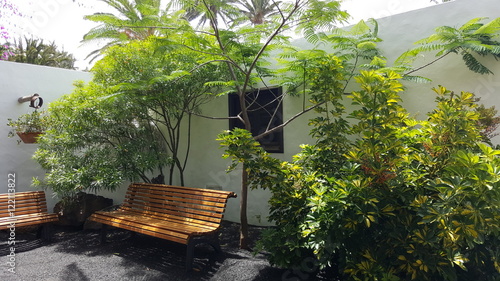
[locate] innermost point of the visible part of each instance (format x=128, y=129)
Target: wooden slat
x=175, y=192
x=176, y=207
x=193, y=199
x=26, y=220
x=184, y=189
x=141, y=230
x=181, y=226
x=210, y=221
x=159, y=199
x=29, y=208
x=167, y=200
x=170, y=212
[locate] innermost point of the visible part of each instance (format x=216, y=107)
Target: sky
x=62, y=21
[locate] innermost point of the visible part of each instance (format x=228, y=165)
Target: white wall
x=400, y=32
x=17, y=80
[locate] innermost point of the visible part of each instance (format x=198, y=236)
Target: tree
x=95, y=143
x=242, y=51
x=156, y=81
x=230, y=12
x=127, y=123
x=258, y=11
x=208, y=12
x=135, y=20
x=358, y=47
x=35, y=51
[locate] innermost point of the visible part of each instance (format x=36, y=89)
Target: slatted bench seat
x=25, y=209
x=180, y=214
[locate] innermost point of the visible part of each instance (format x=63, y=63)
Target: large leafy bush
x=403, y=200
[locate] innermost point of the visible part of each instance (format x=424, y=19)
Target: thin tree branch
x=425, y=65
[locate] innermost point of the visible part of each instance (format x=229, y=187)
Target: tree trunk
x=243, y=210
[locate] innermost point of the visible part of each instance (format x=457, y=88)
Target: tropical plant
x=258, y=10
x=408, y=200
x=134, y=20
x=35, y=51
x=242, y=51
x=470, y=40
x=489, y=122
x=230, y=12
x=208, y=12
x=130, y=121
x=95, y=143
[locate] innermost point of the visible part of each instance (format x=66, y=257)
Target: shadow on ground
x=78, y=255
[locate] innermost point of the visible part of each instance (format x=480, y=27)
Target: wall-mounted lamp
x=35, y=100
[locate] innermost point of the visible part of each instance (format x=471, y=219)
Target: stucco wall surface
x=18, y=80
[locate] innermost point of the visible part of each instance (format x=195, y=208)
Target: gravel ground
x=77, y=255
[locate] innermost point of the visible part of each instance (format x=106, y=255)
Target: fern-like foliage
x=357, y=47
x=132, y=20
x=471, y=40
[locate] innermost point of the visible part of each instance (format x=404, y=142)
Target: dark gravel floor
x=77, y=255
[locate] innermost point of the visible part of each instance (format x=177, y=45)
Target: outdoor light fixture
x=35, y=100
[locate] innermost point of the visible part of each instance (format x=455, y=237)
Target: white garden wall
x=18, y=80
x=206, y=168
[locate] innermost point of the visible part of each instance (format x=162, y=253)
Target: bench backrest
x=194, y=205
x=21, y=203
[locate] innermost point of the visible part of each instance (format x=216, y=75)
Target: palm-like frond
x=35, y=51
x=473, y=64
x=134, y=20
x=470, y=39
x=357, y=45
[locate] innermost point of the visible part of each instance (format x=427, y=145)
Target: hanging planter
x=28, y=126
x=29, y=137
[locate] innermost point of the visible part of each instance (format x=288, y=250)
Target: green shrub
x=406, y=200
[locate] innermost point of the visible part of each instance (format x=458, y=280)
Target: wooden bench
x=25, y=209
x=180, y=214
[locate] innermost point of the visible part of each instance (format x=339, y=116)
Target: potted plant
x=28, y=126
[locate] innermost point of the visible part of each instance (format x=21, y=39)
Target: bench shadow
x=145, y=257
x=25, y=240
x=152, y=253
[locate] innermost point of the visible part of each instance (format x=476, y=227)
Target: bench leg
x=190, y=255
x=102, y=237
x=212, y=241
x=45, y=232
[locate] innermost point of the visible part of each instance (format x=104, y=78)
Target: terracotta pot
x=29, y=137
